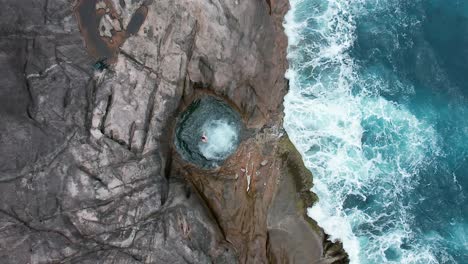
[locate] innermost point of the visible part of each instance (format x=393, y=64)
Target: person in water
x=204, y=139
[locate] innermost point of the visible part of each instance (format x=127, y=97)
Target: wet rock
x=103, y=27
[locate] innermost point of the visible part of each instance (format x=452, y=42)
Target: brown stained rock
x=239, y=194
x=101, y=27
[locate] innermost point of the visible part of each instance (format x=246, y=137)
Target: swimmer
x=204, y=139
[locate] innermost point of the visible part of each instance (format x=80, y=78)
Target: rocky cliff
x=88, y=168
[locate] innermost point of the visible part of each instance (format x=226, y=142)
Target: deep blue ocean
x=378, y=107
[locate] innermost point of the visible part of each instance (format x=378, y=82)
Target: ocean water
x=378, y=107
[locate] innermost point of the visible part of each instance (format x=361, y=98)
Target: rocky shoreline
x=89, y=172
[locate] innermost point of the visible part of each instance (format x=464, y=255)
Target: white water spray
x=326, y=121
x=222, y=138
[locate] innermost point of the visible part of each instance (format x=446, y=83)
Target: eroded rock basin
x=208, y=132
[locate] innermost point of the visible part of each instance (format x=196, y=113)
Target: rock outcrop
x=88, y=168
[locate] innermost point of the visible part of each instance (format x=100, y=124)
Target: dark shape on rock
x=269, y=5
x=122, y=3
x=100, y=65
x=137, y=20
x=89, y=25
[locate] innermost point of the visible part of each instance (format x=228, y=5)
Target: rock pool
x=208, y=132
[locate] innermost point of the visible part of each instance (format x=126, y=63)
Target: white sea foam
x=310, y=121
x=330, y=125
x=222, y=139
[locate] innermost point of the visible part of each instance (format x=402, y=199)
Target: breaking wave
x=387, y=144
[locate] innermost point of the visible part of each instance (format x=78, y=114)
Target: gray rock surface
x=71, y=192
